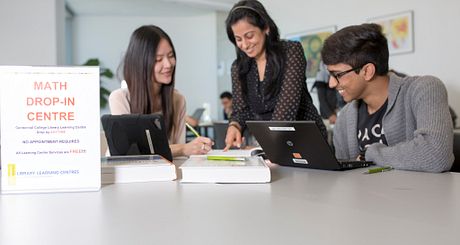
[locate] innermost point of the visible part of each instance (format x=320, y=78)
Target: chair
x=220, y=131
x=456, y=165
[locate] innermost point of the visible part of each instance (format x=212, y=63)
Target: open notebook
x=237, y=153
x=199, y=169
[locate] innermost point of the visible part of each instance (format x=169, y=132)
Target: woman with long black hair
x=268, y=75
x=149, y=68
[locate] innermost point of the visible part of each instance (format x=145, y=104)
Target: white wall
x=436, y=25
x=225, y=56
x=32, y=32
x=194, y=38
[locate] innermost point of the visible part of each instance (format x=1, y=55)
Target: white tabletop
x=300, y=206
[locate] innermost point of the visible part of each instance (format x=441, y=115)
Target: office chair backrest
x=456, y=165
x=220, y=131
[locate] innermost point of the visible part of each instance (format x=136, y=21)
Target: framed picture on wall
x=312, y=43
x=399, y=30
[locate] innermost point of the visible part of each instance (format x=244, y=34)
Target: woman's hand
x=233, y=138
x=198, y=146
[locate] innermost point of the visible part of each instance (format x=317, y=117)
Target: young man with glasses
x=403, y=122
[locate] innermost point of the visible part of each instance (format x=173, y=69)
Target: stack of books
x=136, y=168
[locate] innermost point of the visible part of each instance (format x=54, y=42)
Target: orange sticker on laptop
x=296, y=155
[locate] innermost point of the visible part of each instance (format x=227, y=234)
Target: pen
x=378, y=170
x=225, y=158
x=192, y=129
x=203, y=147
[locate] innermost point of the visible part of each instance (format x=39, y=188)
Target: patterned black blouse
x=293, y=101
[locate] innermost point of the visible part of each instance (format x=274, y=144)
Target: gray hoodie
x=417, y=125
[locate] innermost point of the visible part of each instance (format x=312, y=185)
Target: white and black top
x=293, y=101
x=370, y=128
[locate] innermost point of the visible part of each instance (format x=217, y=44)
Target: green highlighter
x=379, y=169
x=225, y=158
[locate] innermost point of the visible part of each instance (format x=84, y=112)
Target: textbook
x=136, y=168
x=199, y=169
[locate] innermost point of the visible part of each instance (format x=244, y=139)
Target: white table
x=300, y=206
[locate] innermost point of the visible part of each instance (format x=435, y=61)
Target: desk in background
x=205, y=128
x=300, y=206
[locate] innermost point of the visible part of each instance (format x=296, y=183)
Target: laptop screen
x=198, y=113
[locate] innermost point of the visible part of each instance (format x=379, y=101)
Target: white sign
x=50, y=133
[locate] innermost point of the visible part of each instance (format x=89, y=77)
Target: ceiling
x=146, y=7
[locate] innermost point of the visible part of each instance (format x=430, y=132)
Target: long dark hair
x=138, y=71
x=255, y=14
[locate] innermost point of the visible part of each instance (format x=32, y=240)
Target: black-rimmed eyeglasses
x=338, y=75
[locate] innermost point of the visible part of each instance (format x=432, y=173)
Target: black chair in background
x=220, y=131
x=453, y=115
x=456, y=165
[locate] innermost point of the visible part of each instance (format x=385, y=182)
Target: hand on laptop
x=233, y=138
x=198, y=146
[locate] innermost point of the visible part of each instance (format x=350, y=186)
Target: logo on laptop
x=281, y=128
x=300, y=161
x=290, y=143
x=296, y=155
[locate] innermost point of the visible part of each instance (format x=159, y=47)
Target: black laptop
x=298, y=144
x=134, y=134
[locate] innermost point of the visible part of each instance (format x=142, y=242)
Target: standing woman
x=149, y=69
x=268, y=75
